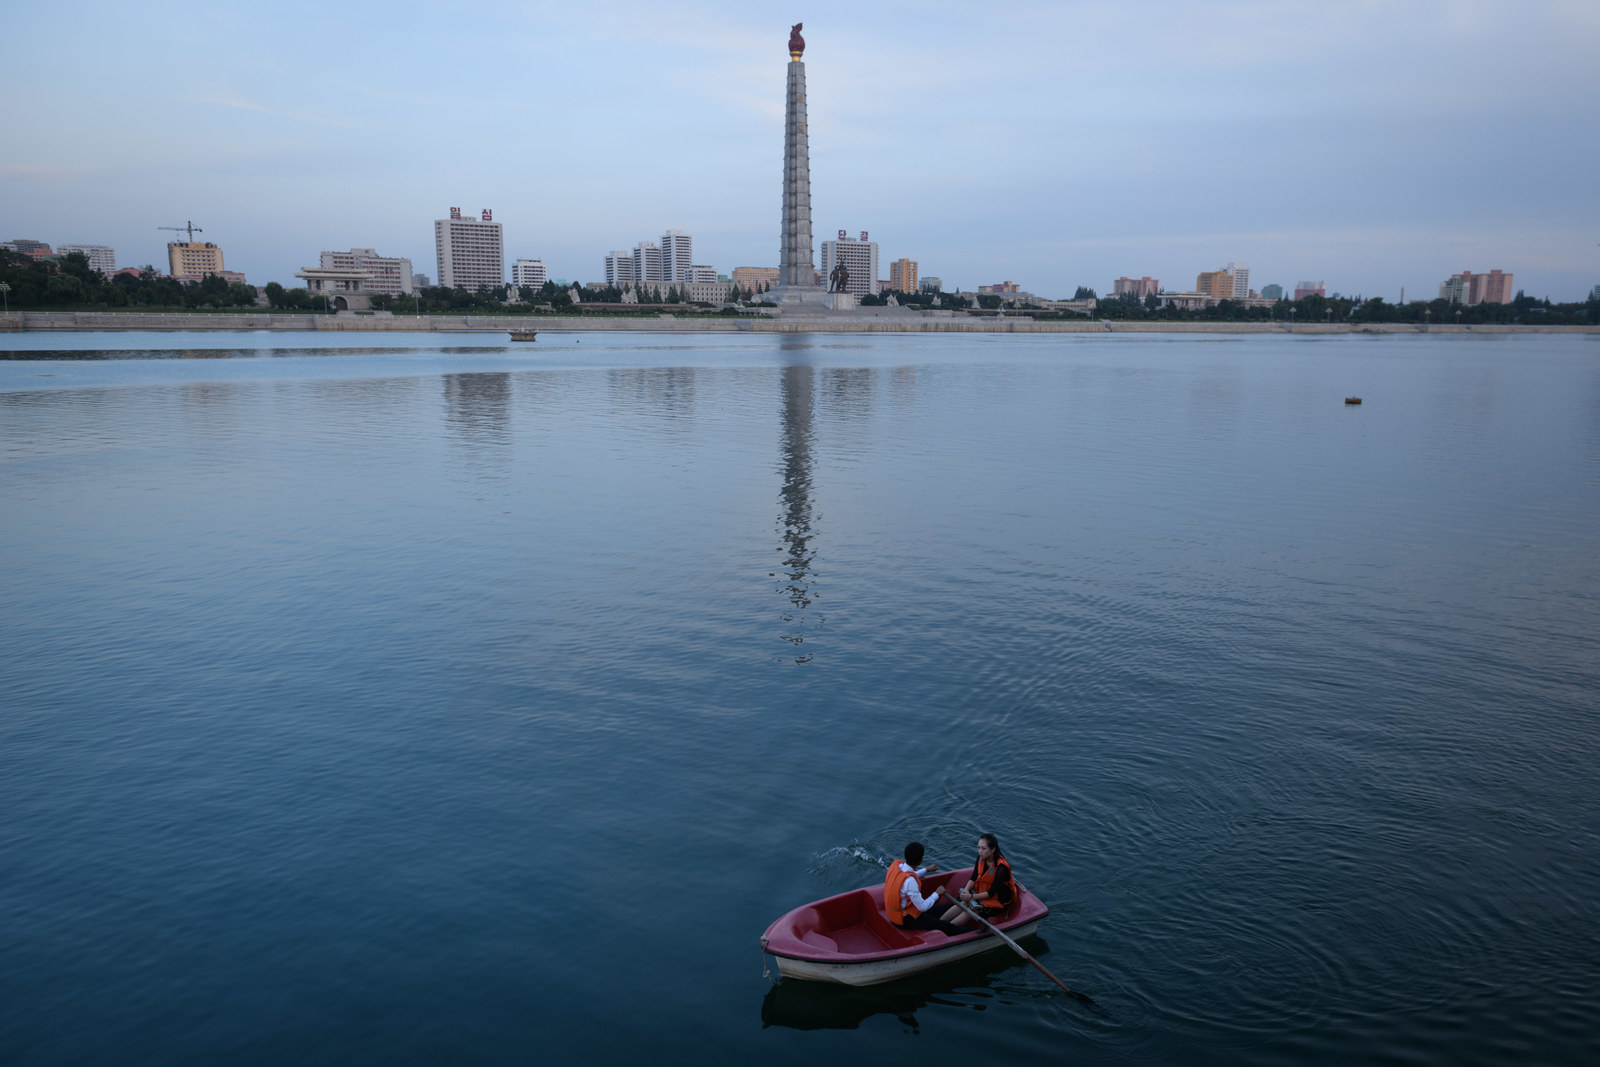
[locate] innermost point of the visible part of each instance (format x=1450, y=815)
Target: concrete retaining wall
x=904, y=323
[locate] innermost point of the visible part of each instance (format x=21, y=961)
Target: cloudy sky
x=1370, y=145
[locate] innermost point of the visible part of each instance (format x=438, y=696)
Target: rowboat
x=849, y=939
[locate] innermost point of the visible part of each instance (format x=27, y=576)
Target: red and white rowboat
x=849, y=939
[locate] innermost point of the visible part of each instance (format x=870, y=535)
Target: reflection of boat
x=849, y=939
x=823, y=1006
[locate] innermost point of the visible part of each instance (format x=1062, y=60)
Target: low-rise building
x=1136, y=287
x=529, y=272
x=930, y=284
x=753, y=279
x=712, y=292
x=1007, y=286
x=345, y=287
x=232, y=277
x=1305, y=289
x=385, y=274
x=1186, y=301
x=27, y=246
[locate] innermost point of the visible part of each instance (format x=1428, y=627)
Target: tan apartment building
x=194, y=258
x=903, y=275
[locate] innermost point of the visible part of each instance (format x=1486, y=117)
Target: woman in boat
x=902, y=894
x=991, y=888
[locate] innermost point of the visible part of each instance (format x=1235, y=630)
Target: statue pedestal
x=842, y=301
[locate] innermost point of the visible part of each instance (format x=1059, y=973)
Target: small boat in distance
x=1352, y=400
x=849, y=939
x=524, y=335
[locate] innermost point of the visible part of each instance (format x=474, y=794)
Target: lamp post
x=5, y=293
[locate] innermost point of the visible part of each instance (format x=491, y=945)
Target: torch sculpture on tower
x=797, y=279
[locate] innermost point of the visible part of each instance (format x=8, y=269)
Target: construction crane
x=191, y=228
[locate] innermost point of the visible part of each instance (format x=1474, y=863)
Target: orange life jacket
x=891, y=895
x=983, y=878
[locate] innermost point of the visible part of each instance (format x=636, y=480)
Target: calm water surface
x=433, y=699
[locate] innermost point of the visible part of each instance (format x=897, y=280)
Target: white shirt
x=911, y=890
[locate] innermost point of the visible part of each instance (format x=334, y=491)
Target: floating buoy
x=1352, y=400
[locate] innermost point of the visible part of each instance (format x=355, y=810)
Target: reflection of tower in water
x=795, y=580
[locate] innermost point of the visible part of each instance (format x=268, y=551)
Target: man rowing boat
x=903, y=899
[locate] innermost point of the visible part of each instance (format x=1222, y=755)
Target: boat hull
x=876, y=972
x=849, y=939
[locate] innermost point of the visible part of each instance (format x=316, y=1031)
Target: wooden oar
x=1018, y=949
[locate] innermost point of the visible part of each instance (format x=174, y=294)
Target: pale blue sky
x=1370, y=145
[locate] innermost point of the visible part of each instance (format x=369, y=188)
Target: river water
x=436, y=699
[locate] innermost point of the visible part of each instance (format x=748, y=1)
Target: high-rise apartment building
x=1240, y=276
x=100, y=257
x=859, y=259
x=930, y=284
x=27, y=246
x=903, y=275
x=385, y=274
x=471, y=253
x=529, y=272
x=1138, y=288
x=677, y=256
x=194, y=258
x=1230, y=283
x=648, y=264
x=1272, y=292
x=620, y=267
x=1470, y=289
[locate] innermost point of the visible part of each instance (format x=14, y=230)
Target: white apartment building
x=529, y=272
x=100, y=257
x=677, y=256
x=385, y=274
x=1241, y=280
x=701, y=273
x=648, y=263
x=621, y=268
x=471, y=253
x=859, y=258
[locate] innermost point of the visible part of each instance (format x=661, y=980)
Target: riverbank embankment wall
x=70, y=321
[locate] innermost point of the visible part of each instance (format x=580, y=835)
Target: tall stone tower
x=796, y=268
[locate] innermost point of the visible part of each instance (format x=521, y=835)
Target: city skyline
x=1057, y=144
